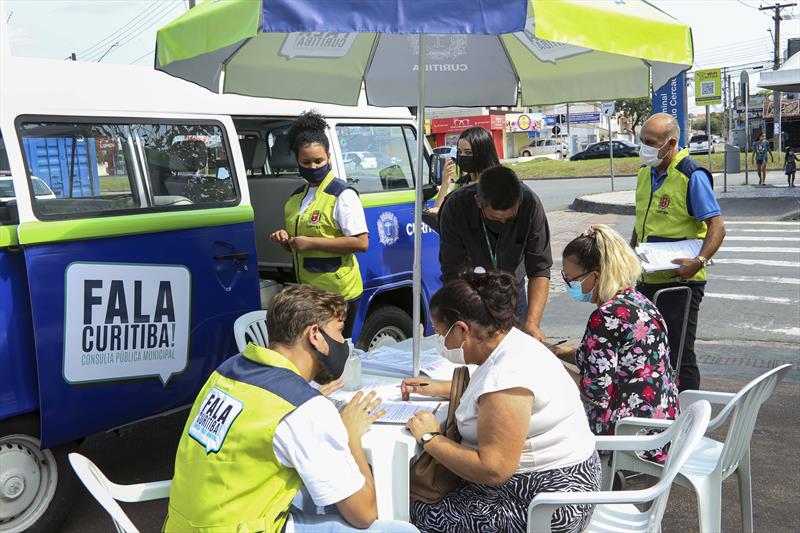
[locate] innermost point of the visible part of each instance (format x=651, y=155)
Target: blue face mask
x=314, y=175
x=576, y=292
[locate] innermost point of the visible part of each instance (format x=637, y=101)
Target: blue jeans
x=307, y=519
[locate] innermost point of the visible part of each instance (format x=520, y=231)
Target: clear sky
x=726, y=32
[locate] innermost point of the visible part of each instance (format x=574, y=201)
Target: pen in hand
x=556, y=343
x=415, y=385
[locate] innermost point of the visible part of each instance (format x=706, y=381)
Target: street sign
x=671, y=98
x=561, y=119
x=608, y=108
x=556, y=130
x=708, y=87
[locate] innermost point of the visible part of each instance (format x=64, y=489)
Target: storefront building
x=447, y=130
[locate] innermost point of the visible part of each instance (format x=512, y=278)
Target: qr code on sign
x=707, y=88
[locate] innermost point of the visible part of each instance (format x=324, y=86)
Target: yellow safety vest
x=663, y=215
x=337, y=273
x=227, y=478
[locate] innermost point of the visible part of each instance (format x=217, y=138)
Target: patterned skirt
x=504, y=509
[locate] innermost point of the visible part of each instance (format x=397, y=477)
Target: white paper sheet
x=658, y=256
x=400, y=412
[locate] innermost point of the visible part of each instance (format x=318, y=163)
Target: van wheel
x=385, y=325
x=526, y=154
x=37, y=487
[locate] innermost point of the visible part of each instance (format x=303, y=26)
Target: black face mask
x=314, y=175
x=333, y=363
x=466, y=163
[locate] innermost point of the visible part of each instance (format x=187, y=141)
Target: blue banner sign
x=574, y=118
x=671, y=98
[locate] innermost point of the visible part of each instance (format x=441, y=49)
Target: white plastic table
x=390, y=449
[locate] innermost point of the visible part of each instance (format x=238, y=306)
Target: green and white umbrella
x=474, y=53
x=565, y=51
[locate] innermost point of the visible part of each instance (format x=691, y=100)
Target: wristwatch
x=427, y=437
x=702, y=260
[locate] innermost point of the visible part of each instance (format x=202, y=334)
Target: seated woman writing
x=623, y=358
x=521, y=420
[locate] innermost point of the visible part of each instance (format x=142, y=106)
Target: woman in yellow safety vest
x=325, y=224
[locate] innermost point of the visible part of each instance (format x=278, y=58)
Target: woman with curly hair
x=521, y=421
x=325, y=223
x=623, y=358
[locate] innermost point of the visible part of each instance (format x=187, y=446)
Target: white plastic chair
x=252, y=325
x=615, y=512
x=107, y=493
x=714, y=461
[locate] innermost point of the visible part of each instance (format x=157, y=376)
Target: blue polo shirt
x=700, y=199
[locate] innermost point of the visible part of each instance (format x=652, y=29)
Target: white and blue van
x=119, y=288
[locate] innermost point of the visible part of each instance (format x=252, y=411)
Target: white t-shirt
x=558, y=434
x=312, y=439
x=348, y=213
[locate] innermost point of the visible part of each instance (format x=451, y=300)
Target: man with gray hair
x=675, y=201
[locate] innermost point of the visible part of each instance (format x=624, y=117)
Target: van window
x=378, y=158
x=114, y=168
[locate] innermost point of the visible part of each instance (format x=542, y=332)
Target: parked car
x=446, y=151
x=602, y=150
x=40, y=188
x=544, y=147
x=698, y=144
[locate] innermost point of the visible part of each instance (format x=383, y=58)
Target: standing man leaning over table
x=675, y=201
x=499, y=224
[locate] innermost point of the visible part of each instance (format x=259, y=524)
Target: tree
x=636, y=110
x=716, y=125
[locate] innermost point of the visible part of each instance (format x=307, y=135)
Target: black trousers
x=352, y=309
x=671, y=306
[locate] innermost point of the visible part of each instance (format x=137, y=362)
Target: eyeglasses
x=579, y=278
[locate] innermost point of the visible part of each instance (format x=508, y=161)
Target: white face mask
x=454, y=355
x=649, y=155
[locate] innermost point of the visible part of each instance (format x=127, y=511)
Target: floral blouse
x=624, y=361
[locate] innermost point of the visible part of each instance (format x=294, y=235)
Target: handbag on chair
x=430, y=480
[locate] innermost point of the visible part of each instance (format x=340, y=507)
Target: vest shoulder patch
x=688, y=166
x=279, y=381
x=214, y=419
x=337, y=186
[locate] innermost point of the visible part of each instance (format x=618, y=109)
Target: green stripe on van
x=383, y=199
x=38, y=232
x=8, y=236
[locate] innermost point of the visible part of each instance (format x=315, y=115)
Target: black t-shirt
x=522, y=247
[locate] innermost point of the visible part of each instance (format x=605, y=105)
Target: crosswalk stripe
x=757, y=279
x=757, y=262
x=752, y=298
x=760, y=239
x=751, y=230
x=761, y=223
x=760, y=249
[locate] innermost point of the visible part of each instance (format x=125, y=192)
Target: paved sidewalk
x=775, y=201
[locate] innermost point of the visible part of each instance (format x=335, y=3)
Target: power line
x=137, y=28
x=113, y=34
x=142, y=56
x=140, y=27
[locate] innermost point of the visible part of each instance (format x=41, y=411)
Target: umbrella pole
x=417, y=265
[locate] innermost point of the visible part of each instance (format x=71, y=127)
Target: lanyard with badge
x=492, y=252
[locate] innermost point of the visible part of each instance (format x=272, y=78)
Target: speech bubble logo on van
x=317, y=44
x=126, y=321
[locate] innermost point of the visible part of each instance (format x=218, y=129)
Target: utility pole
x=776, y=95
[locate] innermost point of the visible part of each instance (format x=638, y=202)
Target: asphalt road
x=749, y=322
